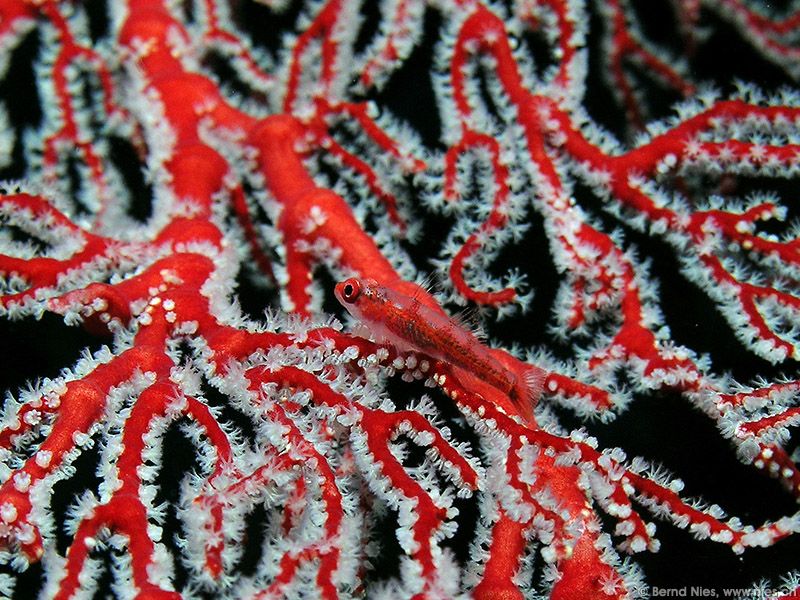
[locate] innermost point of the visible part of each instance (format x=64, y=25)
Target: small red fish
x=408, y=324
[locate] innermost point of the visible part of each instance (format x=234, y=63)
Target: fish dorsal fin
x=423, y=291
x=469, y=319
x=430, y=283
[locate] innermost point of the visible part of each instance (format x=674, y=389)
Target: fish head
x=359, y=296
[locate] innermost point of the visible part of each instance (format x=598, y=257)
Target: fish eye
x=351, y=290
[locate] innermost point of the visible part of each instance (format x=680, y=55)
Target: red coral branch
x=284, y=164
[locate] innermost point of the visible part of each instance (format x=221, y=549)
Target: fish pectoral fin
x=361, y=330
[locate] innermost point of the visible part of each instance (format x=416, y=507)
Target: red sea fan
x=608, y=185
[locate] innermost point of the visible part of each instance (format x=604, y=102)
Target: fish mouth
x=337, y=291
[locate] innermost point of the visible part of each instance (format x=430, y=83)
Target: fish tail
x=528, y=388
x=524, y=382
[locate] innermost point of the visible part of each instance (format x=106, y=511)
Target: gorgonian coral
x=198, y=174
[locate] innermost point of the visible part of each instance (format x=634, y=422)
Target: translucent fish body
x=408, y=324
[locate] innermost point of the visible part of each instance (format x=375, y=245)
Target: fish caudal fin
x=528, y=382
x=528, y=388
x=534, y=378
